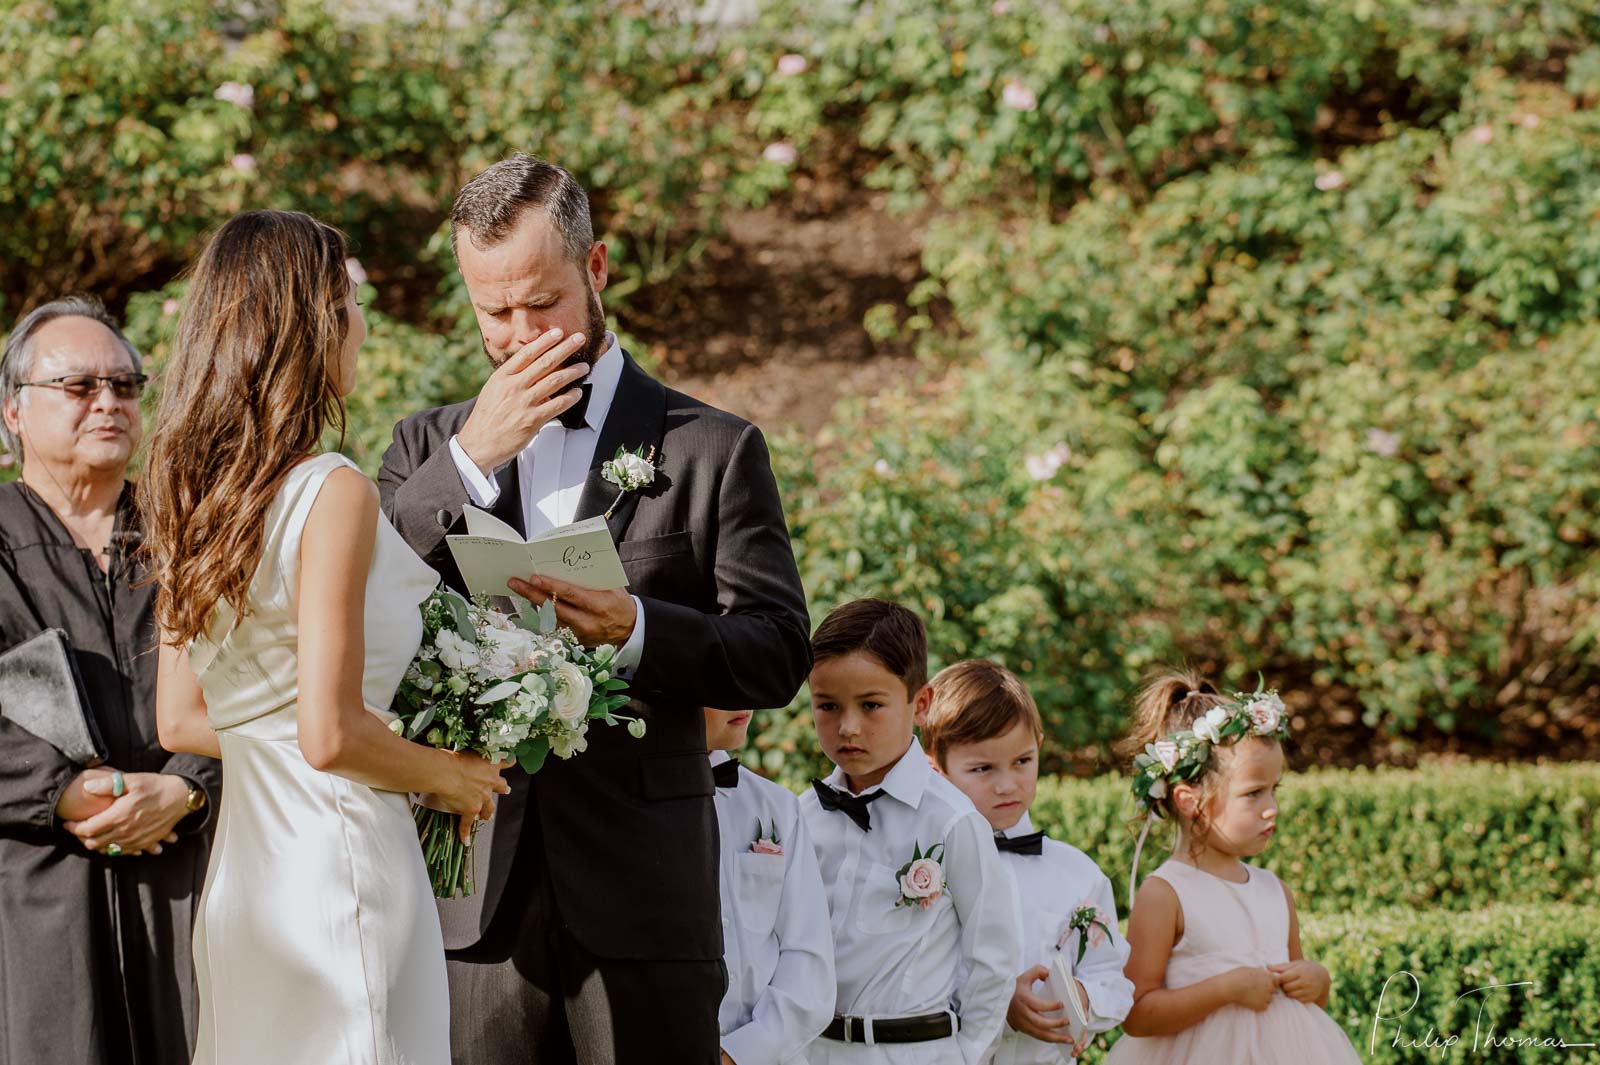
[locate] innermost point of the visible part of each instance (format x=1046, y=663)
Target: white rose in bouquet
x=570, y=701
x=508, y=651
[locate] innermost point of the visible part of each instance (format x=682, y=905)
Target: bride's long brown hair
x=247, y=393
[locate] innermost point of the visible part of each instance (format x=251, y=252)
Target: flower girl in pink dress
x=1216, y=965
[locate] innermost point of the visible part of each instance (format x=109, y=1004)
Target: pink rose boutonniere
x=921, y=879
x=1092, y=926
x=766, y=841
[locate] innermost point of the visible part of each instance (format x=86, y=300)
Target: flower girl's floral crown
x=1182, y=756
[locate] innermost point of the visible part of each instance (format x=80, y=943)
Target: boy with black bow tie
x=925, y=926
x=983, y=731
x=775, y=937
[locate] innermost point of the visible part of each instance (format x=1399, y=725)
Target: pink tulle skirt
x=1285, y=1033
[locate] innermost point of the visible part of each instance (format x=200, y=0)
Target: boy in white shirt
x=925, y=928
x=982, y=730
x=776, y=939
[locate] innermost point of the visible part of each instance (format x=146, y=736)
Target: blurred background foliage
x=1261, y=335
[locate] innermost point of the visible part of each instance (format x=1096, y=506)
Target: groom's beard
x=594, y=344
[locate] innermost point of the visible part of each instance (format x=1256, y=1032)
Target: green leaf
x=421, y=722
x=458, y=615
x=531, y=758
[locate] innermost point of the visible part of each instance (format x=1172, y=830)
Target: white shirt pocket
x=876, y=912
x=760, y=891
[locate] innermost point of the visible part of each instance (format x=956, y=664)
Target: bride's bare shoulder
x=347, y=500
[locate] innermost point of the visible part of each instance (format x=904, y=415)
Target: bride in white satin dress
x=288, y=611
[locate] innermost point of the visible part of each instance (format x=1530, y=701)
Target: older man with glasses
x=100, y=867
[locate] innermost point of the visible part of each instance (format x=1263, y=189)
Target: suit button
x=443, y=518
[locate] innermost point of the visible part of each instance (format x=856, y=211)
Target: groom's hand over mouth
x=524, y=392
x=595, y=617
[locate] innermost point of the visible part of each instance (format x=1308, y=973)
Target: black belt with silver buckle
x=923, y=1029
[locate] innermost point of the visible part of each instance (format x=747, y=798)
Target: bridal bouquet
x=504, y=687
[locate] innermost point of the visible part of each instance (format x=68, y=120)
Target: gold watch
x=195, y=799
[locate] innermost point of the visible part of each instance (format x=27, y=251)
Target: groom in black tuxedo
x=594, y=934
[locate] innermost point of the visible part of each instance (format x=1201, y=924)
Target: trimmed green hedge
x=1452, y=838
x=1449, y=956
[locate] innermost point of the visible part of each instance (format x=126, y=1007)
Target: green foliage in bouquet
x=1446, y=837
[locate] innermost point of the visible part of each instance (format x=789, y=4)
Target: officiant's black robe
x=95, y=963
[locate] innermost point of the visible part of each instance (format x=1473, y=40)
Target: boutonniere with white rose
x=1092, y=926
x=921, y=880
x=629, y=471
x=766, y=841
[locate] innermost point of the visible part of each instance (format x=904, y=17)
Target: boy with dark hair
x=983, y=732
x=924, y=917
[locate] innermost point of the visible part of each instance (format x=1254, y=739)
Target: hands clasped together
x=138, y=820
x=1303, y=981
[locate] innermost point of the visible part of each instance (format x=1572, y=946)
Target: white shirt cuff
x=483, y=491
x=628, y=658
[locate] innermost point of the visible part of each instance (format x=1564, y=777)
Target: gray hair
x=491, y=204
x=16, y=363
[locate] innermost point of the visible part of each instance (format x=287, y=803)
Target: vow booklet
x=1064, y=989
x=492, y=552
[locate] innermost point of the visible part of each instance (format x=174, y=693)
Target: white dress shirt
x=551, y=472
x=776, y=940
x=957, y=954
x=1052, y=884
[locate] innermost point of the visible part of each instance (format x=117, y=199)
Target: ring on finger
x=119, y=784
x=113, y=850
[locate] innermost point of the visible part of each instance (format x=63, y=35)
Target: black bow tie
x=726, y=774
x=1032, y=843
x=573, y=416
x=852, y=806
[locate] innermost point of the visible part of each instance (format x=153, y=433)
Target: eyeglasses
x=84, y=385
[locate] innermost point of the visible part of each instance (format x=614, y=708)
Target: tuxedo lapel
x=636, y=419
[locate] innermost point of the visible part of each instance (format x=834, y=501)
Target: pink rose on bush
x=792, y=64
x=1330, y=181
x=780, y=152
x=169, y=307
x=236, y=93
x=1018, y=96
x=1482, y=134
x=243, y=162
x=923, y=882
